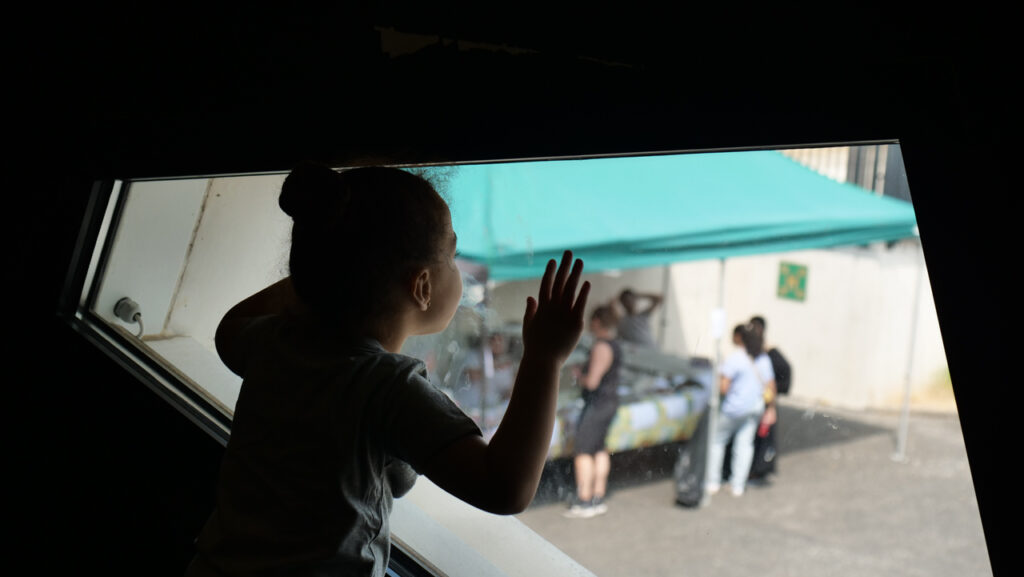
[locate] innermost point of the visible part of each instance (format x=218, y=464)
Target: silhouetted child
x=332, y=422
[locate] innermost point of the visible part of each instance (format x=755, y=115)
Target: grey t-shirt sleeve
x=419, y=420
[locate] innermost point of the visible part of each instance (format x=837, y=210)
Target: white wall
x=241, y=246
x=149, y=251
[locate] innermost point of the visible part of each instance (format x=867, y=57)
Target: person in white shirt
x=746, y=381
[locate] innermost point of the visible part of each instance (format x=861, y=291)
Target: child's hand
x=553, y=321
x=501, y=475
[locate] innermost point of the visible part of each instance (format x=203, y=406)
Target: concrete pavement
x=840, y=506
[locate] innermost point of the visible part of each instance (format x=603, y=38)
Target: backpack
x=783, y=373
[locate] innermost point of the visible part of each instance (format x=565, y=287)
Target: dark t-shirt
x=326, y=433
x=607, y=389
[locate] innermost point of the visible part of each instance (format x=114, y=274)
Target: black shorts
x=593, y=426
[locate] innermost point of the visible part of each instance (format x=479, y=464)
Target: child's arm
x=276, y=298
x=502, y=476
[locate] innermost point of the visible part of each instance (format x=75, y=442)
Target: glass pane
x=866, y=468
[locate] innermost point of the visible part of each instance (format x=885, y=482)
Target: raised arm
x=502, y=476
x=653, y=301
x=277, y=298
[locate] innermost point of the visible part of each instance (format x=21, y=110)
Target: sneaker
x=580, y=511
x=737, y=491
x=597, y=503
x=712, y=488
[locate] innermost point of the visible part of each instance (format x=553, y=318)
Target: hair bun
x=310, y=191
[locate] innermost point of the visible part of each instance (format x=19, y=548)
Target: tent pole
x=717, y=329
x=904, y=425
x=484, y=346
x=664, y=308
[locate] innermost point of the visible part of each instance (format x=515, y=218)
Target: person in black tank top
x=599, y=381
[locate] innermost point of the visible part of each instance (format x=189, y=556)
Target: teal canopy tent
x=632, y=212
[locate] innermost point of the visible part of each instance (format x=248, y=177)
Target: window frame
x=102, y=217
x=88, y=263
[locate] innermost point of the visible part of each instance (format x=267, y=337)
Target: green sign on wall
x=792, y=281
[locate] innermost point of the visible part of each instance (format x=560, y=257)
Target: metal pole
x=484, y=345
x=904, y=425
x=718, y=328
x=664, y=308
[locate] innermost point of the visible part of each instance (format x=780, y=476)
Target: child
x=331, y=421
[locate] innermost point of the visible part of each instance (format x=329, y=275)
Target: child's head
x=359, y=237
x=737, y=334
x=603, y=320
x=752, y=339
x=758, y=323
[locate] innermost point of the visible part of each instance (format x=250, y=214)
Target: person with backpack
x=765, y=463
x=747, y=386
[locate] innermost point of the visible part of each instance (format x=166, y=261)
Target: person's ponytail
x=313, y=194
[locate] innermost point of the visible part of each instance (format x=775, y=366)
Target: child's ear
x=421, y=289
